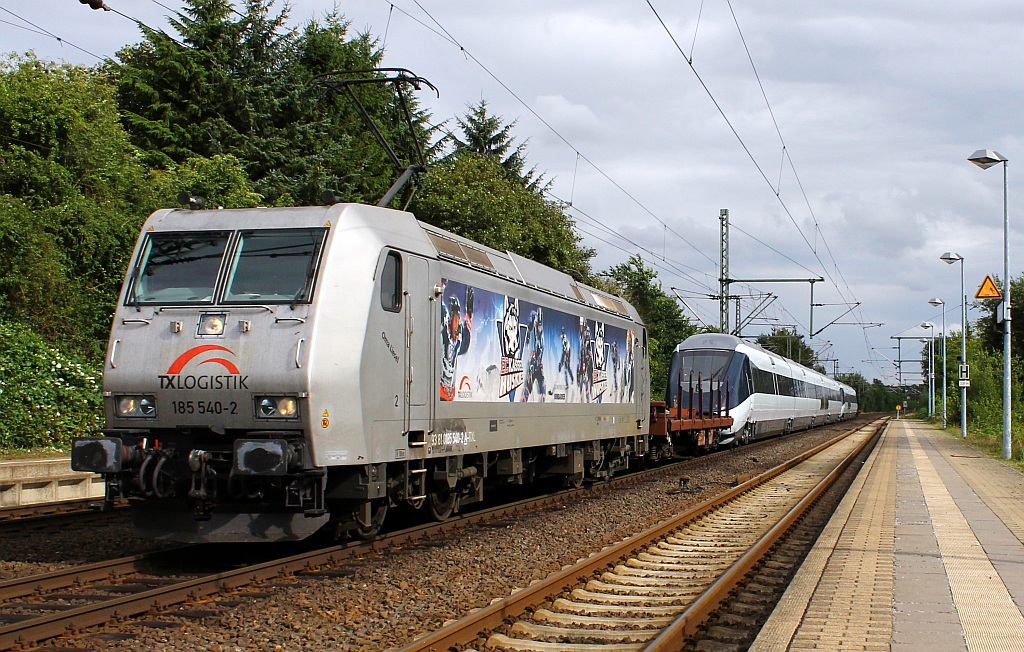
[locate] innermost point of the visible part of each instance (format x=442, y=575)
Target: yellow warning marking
x=988, y=290
x=988, y=614
x=324, y=423
x=325, y=415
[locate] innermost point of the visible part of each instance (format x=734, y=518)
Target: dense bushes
x=46, y=396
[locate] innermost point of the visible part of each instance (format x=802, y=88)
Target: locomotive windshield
x=264, y=266
x=178, y=267
x=275, y=266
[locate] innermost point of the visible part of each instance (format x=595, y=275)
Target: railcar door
x=643, y=402
x=420, y=330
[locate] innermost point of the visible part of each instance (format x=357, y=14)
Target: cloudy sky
x=837, y=136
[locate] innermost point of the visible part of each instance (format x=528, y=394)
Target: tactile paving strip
x=990, y=619
x=841, y=598
x=1000, y=486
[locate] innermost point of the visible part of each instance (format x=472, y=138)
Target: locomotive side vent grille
x=449, y=247
x=461, y=252
x=609, y=303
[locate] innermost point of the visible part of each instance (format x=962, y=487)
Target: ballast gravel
x=387, y=599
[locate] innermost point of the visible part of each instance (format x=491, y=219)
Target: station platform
x=924, y=554
x=32, y=482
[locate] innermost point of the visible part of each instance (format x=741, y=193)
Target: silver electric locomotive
x=273, y=370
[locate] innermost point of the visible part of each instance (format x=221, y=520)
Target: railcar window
x=274, y=266
x=785, y=385
x=745, y=386
x=764, y=382
x=178, y=268
x=391, y=283
x=738, y=379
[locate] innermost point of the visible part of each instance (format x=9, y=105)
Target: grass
x=31, y=454
x=987, y=440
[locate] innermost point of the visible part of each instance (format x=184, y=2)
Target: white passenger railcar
x=766, y=394
x=272, y=370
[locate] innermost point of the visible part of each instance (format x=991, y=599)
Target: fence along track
x=665, y=582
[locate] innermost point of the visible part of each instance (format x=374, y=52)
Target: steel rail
x=43, y=513
x=36, y=629
x=690, y=620
x=47, y=626
x=59, y=579
x=464, y=631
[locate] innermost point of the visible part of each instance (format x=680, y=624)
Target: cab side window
x=391, y=283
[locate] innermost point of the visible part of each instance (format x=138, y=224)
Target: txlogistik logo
x=176, y=380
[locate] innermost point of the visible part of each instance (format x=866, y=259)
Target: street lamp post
x=939, y=302
x=931, y=367
x=949, y=258
x=984, y=159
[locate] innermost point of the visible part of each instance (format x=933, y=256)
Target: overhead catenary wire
x=451, y=39
x=444, y=33
x=838, y=277
x=448, y=37
x=45, y=32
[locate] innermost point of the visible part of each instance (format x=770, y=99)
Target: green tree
x=488, y=135
x=472, y=196
x=240, y=84
x=789, y=344
x=666, y=324
x=479, y=191
x=47, y=396
x=72, y=196
x=220, y=181
x=874, y=396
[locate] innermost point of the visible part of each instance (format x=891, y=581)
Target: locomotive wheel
x=378, y=511
x=574, y=481
x=441, y=502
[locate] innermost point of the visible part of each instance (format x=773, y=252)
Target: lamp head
x=949, y=257
x=936, y=301
x=927, y=324
x=986, y=158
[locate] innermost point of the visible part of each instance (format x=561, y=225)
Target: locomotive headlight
x=277, y=407
x=136, y=406
x=287, y=407
x=211, y=324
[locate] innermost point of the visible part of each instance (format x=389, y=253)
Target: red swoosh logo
x=189, y=355
x=227, y=364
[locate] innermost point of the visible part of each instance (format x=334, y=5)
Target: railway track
x=47, y=515
x=40, y=607
x=49, y=605
x=19, y=513
x=656, y=589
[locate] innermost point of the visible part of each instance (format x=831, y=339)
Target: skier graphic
x=565, y=362
x=455, y=338
x=535, y=369
x=615, y=371
x=585, y=370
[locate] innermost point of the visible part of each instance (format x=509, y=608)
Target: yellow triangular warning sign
x=988, y=290
x=325, y=414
